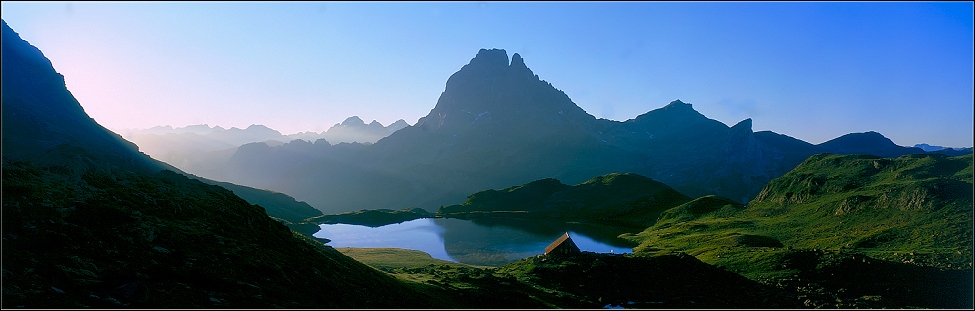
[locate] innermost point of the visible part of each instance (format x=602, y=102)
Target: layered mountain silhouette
x=207, y=151
x=354, y=130
x=944, y=150
x=498, y=124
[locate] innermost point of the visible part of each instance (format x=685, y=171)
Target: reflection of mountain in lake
x=489, y=245
x=420, y=234
x=482, y=242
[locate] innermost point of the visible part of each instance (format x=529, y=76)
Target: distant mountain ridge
x=866, y=143
x=353, y=129
x=209, y=151
x=944, y=150
x=498, y=124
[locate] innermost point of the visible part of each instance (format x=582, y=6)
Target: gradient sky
x=813, y=71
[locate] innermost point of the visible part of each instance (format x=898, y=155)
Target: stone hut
x=562, y=246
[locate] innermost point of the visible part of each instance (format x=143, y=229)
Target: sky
x=810, y=70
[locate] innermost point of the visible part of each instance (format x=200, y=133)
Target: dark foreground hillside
x=112, y=238
x=633, y=281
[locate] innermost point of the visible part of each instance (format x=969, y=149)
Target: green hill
x=903, y=204
x=276, y=204
x=622, y=199
x=913, y=203
x=697, y=208
x=911, y=215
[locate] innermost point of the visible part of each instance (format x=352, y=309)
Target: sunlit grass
x=915, y=209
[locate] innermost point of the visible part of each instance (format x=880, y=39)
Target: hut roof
x=559, y=241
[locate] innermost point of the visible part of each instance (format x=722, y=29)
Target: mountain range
x=203, y=150
x=945, y=150
x=353, y=129
x=498, y=124
x=89, y=221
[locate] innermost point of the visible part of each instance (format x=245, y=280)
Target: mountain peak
x=516, y=60
x=744, y=124
x=353, y=120
x=679, y=104
x=866, y=143
x=491, y=58
x=490, y=88
x=865, y=136
x=518, y=67
x=399, y=124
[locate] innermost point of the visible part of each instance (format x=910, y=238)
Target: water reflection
x=491, y=242
x=420, y=234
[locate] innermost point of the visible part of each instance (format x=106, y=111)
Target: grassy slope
x=276, y=204
x=387, y=259
x=912, y=212
x=110, y=238
x=915, y=203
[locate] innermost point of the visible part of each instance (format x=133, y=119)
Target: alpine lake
x=479, y=242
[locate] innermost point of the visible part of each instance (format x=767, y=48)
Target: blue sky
x=813, y=71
